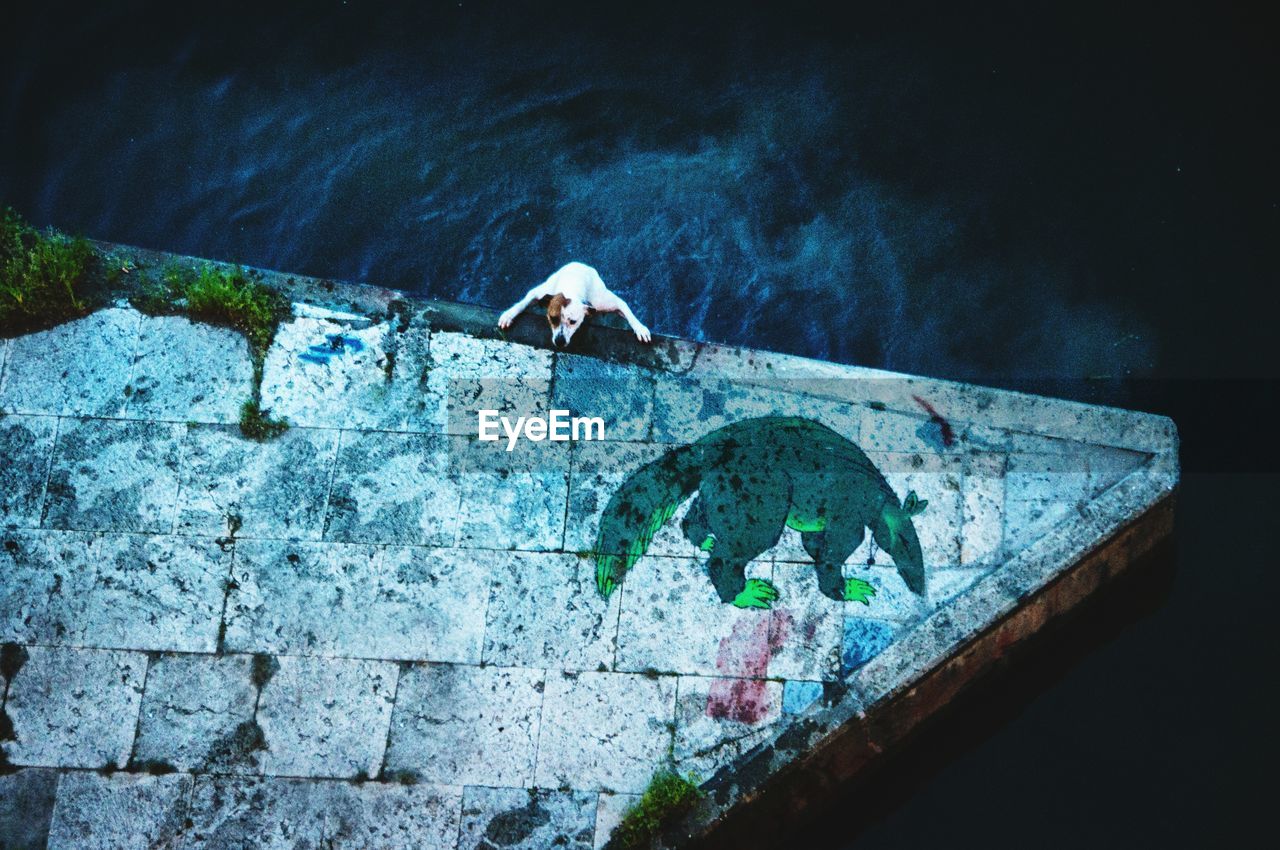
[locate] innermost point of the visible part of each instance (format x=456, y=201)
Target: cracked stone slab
x=79, y=368
x=620, y=395
x=331, y=373
x=718, y=719
x=544, y=612
x=469, y=374
x=117, y=590
x=326, y=716
x=188, y=371
x=394, y=602
x=114, y=475
x=26, y=444
x=526, y=819
x=604, y=731
x=289, y=814
x=242, y=487
x=687, y=408
x=193, y=711
x=395, y=488
x=75, y=707
x=673, y=621
x=26, y=805
x=462, y=725
x=119, y=812
x=516, y=499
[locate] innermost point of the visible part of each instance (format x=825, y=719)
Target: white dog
x=575, y=290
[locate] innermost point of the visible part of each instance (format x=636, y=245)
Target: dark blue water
x=1078, y=199
x=982, y=197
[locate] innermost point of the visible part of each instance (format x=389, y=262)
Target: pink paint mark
x=948, y=436
x=744, y=655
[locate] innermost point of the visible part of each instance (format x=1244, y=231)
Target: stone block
x=395, y=488
x=620, y=395
x=516, y=499
x=394, y=602
x=326, y=716
x=194, y=714
x=113, y=475
x=470, y=374
x=26, y=444
x=544, y=611
x=456, y=724
x=119, y=812
x=117, y=590
x=75, y=707
x=672, y=621
x=235, y=486
x=26, y=804
x=79, y=368
x=186, y=371
x=604, y=731
x=526, y=819
x=289, y=814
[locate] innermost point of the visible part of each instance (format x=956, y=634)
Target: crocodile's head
x=895, y=533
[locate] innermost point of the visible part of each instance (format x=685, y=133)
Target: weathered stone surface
x=395, y=488
x=395, y=602
x=718, y=719
x=193, y=709
x=516, y=499
x=326, y=716
x=523, y=819
x=26, y=444
x=232, y=485
x=326, y=373
x=26, y=804
x=468, y=375
x=620, y=395
x=686, y=408
x=114, y=590
x=119, y=812
x=463, y=725
x=112, y=475
x=288, y=814
x=604, y=731
x=80, y=368
x=610, y=809
x=75, y=707
x=186, y=371
x=673, y=622
x=544, y=612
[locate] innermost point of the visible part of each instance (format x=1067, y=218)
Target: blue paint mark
x=798, y=695
x=321, y=354
x=864, y=640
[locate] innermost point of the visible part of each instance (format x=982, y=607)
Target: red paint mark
x=744, y=655
x=948, y=436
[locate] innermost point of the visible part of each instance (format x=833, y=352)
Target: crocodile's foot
x=759, y=593
x=857, y=590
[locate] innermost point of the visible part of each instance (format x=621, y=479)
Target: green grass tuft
x=257, y=424
x=668, y=795
x=44, y=276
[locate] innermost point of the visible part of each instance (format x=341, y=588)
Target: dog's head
x=565, y=317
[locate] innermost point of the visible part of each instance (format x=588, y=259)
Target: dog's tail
x=641, y=506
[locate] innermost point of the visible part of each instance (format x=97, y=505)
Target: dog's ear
x=557, y=304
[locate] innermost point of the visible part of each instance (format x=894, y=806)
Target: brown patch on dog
x=557, y=304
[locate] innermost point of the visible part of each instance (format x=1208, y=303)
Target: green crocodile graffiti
x=753, y=478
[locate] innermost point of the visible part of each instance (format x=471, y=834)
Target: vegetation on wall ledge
x=668, y=795
x=46, y=278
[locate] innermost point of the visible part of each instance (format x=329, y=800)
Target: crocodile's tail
x=642, y=505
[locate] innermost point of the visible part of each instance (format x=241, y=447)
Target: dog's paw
x=642, y=334
x=505, y=320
